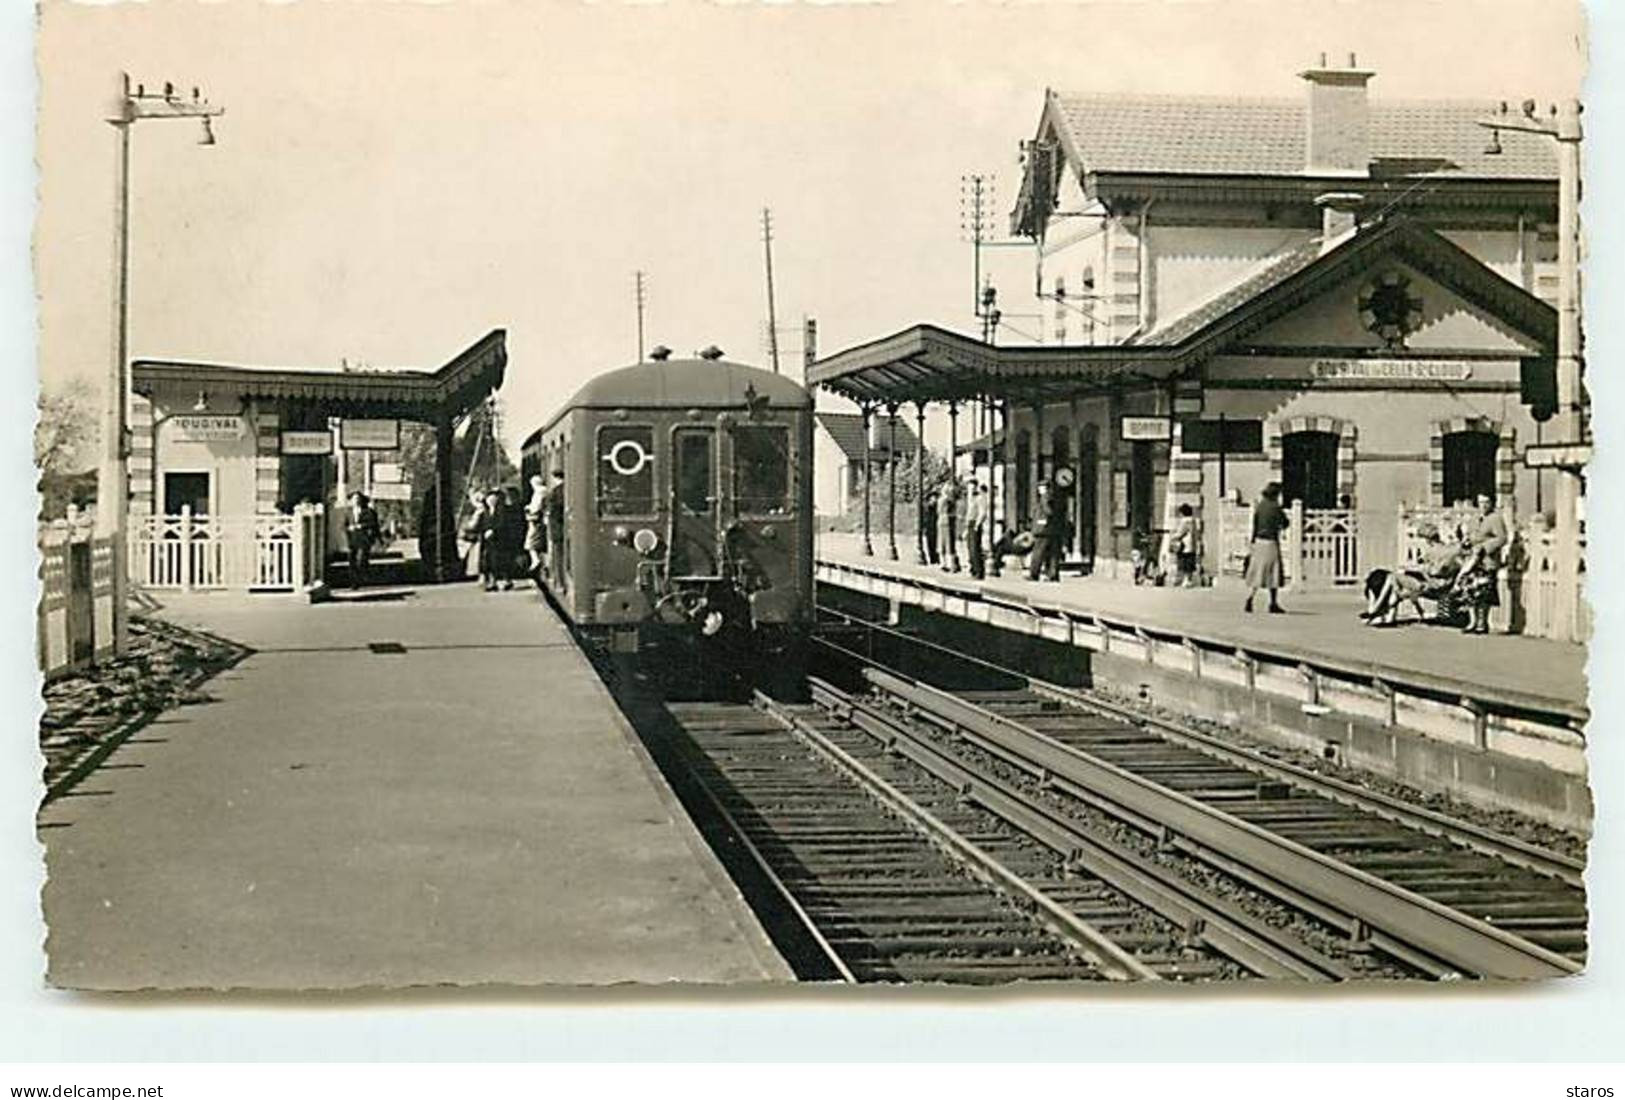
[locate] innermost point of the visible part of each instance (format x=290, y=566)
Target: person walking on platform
x=362, y=532
x=975, y=521
x=1048, y=530
x=1187, y=544
x=1264, y=556
x=511, y=538
x=947, y=505
x=490, y=534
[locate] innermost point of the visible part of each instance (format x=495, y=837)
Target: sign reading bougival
x=1147, y=427
x=1394, y=370
x=205, y=427
x=307, y=443
x=370, y=435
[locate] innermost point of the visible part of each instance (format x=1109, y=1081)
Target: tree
x=478, y=457
x=63, y=438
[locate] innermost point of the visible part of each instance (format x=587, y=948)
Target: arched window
x=1469, y=464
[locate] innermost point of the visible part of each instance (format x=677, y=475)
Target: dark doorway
x=1024, y=479
x=1469, y=465
x=186, y=490
x=1061, y=459
x=1142, y=487
x=1088, y=500
x=1309, y=469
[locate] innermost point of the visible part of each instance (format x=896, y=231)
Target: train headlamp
x=646, y=542
x=769, y=532
x=621, y=536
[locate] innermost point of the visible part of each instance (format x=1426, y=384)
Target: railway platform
x=402, y=786
x=1492, y=718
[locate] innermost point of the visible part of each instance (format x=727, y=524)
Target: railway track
x=1441, y=896
x=898, y=865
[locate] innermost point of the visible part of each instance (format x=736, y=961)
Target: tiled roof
x=1215, y=135
x=846, y=429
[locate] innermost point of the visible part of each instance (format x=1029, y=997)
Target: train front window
x=762, y=469
x=626, y=471
x=694, y=477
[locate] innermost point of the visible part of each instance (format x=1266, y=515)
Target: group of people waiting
x=959, y=511
x=1459, y=574
x=503, y=540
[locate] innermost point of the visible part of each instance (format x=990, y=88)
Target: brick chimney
x=1338, y=138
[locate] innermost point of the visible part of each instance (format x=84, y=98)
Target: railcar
x=686, y=513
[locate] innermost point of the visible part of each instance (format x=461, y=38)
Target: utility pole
x=772, y=311
x=975, y=207
x=1562, y=122
x=113, y=476
x=642, y=290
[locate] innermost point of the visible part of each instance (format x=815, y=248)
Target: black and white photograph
x=991, y=498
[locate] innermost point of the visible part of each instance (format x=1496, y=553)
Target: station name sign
x=1147, y=427
x=1394, y=370
x=205, y=427
x=307, y=443
x=370, y=435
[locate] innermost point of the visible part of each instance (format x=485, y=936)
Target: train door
x=694, y=502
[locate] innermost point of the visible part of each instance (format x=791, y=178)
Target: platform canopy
x=431, y=397
x=926, y=363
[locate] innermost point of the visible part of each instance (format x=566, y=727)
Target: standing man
x=1049, y=529
x=928, y=524
x=361, y=533
x=947, y=505
x=975, y=520
x=554, y=513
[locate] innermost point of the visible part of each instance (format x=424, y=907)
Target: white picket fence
x=1530, y=588
x=1319, y=549
x=260, y=552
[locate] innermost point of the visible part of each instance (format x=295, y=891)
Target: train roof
x=702, y=383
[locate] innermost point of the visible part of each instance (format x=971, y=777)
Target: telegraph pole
x=642, y=290
x=1562, y=122
x=975, y=207
x=113, y=476
x=772, y=312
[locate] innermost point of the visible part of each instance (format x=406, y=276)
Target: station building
x=237, y=473
x=1349, y=296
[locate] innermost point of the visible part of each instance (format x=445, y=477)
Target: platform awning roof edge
x=449, y=392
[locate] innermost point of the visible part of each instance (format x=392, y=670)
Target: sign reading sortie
x=204, y=427
x=1394, y=370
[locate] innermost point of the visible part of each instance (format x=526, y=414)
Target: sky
x=392, y=180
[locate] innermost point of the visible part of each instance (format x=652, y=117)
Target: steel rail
x=1112, y=961
x=1519, y=853
x=1266, y=952
x=1399, y=921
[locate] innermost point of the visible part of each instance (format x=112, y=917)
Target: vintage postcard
x=751, y=494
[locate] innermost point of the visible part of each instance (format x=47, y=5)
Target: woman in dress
x=1480, y=572
x=1264, y=556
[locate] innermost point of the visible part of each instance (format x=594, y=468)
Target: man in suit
x=362, y=532
x=975, y=522
x=1049, y=529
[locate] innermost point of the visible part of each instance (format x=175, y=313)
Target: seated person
x=1435, y=579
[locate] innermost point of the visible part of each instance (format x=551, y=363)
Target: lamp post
x=1562, y=122
x=112, y=481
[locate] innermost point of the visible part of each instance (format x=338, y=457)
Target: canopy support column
x=920, y=555
x=998, y=512
x=891, y=479
x=445, y=564
x=950, y=553
x=868, y=470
